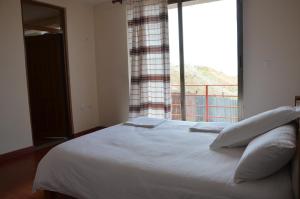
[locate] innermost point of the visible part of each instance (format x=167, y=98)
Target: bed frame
x=297, y=158
x=56, y=195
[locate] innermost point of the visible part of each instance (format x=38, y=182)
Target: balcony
x=209, y=103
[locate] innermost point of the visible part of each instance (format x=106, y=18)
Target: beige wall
x=82, y=64
x=112, y=62
x=271, y=54
x=15, y=130
x=271, y=57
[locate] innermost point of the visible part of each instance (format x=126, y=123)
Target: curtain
x=148, y=44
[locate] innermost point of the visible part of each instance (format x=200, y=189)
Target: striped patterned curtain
x=149, y=57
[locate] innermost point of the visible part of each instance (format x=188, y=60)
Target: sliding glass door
x=205, y=58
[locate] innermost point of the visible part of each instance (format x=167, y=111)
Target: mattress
x=166, y=162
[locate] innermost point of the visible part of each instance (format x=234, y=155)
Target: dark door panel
x=46, y=78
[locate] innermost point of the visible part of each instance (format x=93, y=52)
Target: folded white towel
x=209, y=127
x=146, y=122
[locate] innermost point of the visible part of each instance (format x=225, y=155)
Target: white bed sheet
x=166, y=162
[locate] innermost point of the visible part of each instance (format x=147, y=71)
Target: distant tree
x=203, y=75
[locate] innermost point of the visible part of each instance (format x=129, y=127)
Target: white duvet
x=166, y=162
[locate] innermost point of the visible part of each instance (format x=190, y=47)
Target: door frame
x=70, y=125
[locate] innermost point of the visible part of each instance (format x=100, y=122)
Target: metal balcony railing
x=208, y=103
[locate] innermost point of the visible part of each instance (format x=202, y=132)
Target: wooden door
x=47, y=86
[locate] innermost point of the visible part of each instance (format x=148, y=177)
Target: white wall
x=15, y=129
x=112, y=62
x=271, y=54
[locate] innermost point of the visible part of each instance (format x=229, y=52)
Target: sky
x=210, y=35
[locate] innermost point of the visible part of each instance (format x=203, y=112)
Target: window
x=205, y=58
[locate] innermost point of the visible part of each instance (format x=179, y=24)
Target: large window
x=205, y=57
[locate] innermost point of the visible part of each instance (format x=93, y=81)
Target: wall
x=271, y=54
x=271, y=57
x=15, y=129
x=112, y=62
x=82, y=62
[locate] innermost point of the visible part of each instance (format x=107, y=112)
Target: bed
x=165, y=162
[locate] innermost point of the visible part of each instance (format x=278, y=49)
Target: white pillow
x=267, y=154
x=241, y=133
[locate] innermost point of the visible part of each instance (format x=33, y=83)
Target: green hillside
x=200, y=75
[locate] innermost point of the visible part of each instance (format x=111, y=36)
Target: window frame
x=240, y=61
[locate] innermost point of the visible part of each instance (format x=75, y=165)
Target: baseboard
x=21, y=152
x=88, y=131
x=15, y=154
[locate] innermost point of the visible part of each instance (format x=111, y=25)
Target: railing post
x=206, y=103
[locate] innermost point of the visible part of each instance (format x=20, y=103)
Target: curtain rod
x=117, y=1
